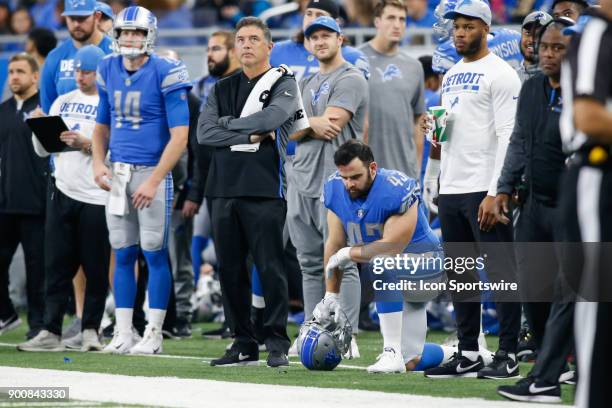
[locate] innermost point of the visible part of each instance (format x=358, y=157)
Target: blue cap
x=88, y=57
x=79, y=8
x=105, y=9
x=471, y=8
x=324, y=22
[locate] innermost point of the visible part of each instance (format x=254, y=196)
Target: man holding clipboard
x=75, y=230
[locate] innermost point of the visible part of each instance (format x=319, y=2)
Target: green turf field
x=188, y=358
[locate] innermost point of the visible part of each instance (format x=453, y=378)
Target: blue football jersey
x=304, y=64
x=392, y=193
x=503, y=42
x=139, y=122
x=57, y=76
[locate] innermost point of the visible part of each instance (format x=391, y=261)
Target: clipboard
x=47, y=130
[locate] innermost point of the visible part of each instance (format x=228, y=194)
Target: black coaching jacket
x=23, y=175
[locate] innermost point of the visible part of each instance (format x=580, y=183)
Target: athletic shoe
x=388, y=362
x=182, y=329
x=502, y=367
x=238, y=356
x=10, y=323
x=354, y=351
x=74, y=342
x=293, y=350
x=526, y=350
x=218, y=334
x=568, y=376
x=277, y=359
x=458, y=366
x=44, y=341
x=73, y=328
x=528, y=390
x=151, y=342
x=91, y=341
x=122, y=342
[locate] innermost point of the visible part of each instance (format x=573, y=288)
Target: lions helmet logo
x=77, y=3
x=391, y=71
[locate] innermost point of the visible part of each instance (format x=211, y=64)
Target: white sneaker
x=122, y=342
x=44, y=341
x=74, y=342
x=293, y=350
x=388, y=362
x=90, y=341
x=151, y=343
x=354, y=353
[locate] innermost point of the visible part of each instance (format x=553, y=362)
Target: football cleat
x=151, y=342
x=122, y=342
x=388, y=362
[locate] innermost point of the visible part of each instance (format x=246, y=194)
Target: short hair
x=228, y=37
x=351, y=149
x=256, y=22
x=24, y=56
x=426, y=62
x=44, y=40
x=380, y=6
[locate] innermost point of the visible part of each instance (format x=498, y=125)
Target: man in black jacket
x=22, y=194
x=245, y=189
x=535, y=155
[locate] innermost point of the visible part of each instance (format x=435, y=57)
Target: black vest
x=239, y=174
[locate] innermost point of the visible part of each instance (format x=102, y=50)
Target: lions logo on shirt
x=77, y=3
x=391, y=71
x=323, y=90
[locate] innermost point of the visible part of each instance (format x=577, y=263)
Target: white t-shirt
x=481, y=99
x=73, y=170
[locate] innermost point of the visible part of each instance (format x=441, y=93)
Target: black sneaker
x=568, y=376
x=458, y=366
x=182, y=329
x=238, y=356
x=218, y=334
x=502, y=367
x=528, y=390
x=277, y=359
x=526, y=350
x=10, y=323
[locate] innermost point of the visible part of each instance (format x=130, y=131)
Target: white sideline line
x=203, y=359
x=179, y=392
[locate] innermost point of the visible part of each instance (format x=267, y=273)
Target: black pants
x=537, y=230
x=463, y=238
x=255, y=225
x=587, y=210
x=75, y=234
x=29, y=230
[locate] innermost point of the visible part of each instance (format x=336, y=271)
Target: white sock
x=258, y=302
x=123, y=318
x=414, y=330
x=471, y=355
x=156, y=318
x=391, y=329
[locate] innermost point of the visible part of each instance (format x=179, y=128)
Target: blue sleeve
x=48, y=90
x=103, y=117
x=177, y=108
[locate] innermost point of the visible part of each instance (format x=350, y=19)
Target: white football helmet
x=135, y=18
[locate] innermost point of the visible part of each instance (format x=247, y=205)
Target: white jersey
x=481, y=99
x=73, y=170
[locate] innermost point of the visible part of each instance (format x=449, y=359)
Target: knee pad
x=152, y=240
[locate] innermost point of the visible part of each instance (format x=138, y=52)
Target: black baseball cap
x=327, y=5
